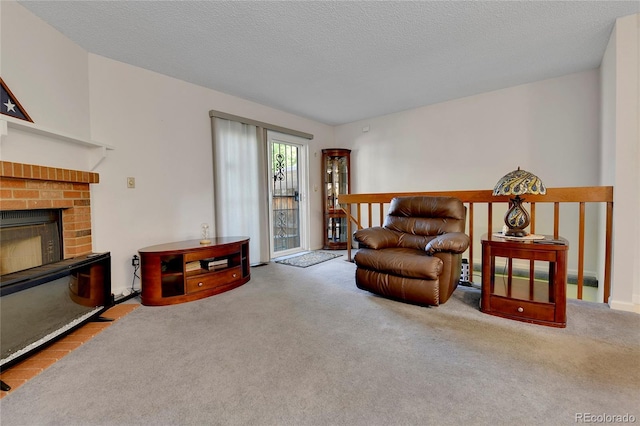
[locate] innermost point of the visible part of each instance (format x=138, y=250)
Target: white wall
x=159, y=127
x=620, y=71
x=45, y=70
x=57, y=98
x=549, y=127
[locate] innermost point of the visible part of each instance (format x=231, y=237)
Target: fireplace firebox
x=29, y=238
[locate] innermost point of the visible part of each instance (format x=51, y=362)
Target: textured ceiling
x=338, y=62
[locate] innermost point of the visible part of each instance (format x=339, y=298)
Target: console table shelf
x=174, y=273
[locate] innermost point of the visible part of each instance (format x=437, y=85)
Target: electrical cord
x=135, y=262
x=135, y=275
x=132, y=292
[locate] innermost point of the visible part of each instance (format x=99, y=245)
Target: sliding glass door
x=287, y=194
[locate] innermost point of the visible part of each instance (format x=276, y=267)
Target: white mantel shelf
x=7, y=123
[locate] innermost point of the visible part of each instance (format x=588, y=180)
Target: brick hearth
x=30, y=187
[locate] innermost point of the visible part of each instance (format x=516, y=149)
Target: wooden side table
x=525, y=300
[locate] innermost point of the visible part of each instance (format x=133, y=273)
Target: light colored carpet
x=306, y=347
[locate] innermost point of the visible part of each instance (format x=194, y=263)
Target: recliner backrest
x=422, y=215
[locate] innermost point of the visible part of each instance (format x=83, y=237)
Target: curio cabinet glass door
x=336, y=181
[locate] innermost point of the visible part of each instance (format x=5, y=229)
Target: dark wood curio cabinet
x=336, y=176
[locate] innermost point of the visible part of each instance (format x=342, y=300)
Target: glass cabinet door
x=335, y=169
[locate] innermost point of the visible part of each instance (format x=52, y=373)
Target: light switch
x=131, y=182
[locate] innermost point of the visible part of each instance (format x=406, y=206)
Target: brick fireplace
x=31, y=187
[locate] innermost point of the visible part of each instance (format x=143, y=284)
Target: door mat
x=308, y=259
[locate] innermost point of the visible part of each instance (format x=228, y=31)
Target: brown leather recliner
x=416, y=256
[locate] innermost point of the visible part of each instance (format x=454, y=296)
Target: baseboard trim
x=624, y=306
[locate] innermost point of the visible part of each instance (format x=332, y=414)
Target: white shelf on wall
x=100, y=149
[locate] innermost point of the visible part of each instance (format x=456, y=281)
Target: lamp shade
x=519, y=182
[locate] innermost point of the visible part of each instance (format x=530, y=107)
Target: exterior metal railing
x=367, y=210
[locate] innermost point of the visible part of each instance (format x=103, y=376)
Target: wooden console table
x=179, y=272
x=538, y=303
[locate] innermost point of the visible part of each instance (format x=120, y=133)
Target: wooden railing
x=372, y=209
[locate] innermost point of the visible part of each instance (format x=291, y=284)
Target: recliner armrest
x=453, y=242
x=377, y=237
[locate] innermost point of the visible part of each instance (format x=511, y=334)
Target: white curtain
x=239, y=162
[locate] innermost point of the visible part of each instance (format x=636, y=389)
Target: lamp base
x=516, y=233
x=516, y=218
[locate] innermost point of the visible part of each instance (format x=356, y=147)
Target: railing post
x=471, y=241
x=607, y=252
x=581, y=251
